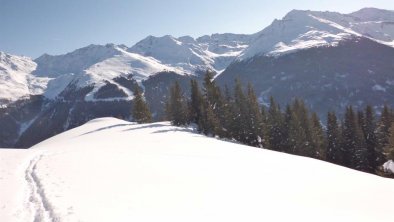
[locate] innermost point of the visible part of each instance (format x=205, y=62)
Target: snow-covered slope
x=16, y=80
x=215, y=52
x=74, y=62
x=93, y=66
x=112, y=170
x=305, y=29
x=122, y=64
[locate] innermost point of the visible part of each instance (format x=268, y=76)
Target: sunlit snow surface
x=16, y=80
x=112, y=170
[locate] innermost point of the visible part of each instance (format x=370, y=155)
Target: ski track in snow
x=41, y=209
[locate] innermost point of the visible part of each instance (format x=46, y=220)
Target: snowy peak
x=225, y=43
x=74, y=62
x=191, y=55
x=305, y=29
x=297, y=30
x=168, y=49
x=16, y=80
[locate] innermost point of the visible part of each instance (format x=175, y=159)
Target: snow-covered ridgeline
x=306, y=29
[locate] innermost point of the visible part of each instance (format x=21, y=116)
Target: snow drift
x=113, y=170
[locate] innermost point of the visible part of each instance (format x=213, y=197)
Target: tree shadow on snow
x=107, y=127
x=177, y=130
x=155, y=125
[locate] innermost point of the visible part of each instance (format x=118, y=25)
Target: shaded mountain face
x=329, y=59
x=356, y=72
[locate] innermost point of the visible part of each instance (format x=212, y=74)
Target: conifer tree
x=383, y=132
x=275, y=126
x=212, y=101
x=295, y=135
x=140, y=112
x=226, y=116
x=255, y=119
x=360, y=159
x=370, y=138
x=334, y=152
x=265, y=137
x=349, y=129
x=355, y=155
x=211, y=91
x=210, y=124
x=177, y=106
x=305, y=125
x=240, y=114
x=318, y=139
x=196, y=103
x=389, y=148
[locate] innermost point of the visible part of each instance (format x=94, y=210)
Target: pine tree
x=305, y=124
x=360, y=159
x=275, y=126
x=212, y=92
x=296, y=137
x=370, y=138
x=212, y=100
x=240, y=114
x=210, y=124
x=349, y=128
x=226, y=116
x=318, y=139
x=140, y=112
x=389, y=148
x=356, y=155
x=177, y=107
x=265, y=128
x=383, y=132
x=334, y=152
x=196, y=103
x=255, y=119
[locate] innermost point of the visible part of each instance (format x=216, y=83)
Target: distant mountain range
x=329, y=59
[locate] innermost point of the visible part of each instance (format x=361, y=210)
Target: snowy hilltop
x=113, y=170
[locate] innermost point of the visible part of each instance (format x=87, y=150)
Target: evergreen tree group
x=361, y=141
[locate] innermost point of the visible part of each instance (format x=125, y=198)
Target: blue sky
x=34, y=27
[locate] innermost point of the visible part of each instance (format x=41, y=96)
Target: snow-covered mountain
x=16, y=80
x=98, y=65
x=215, y=52
x=113, y=170
x=329, y=59
x=306, y=29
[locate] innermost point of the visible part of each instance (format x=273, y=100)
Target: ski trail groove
x=42, y=210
